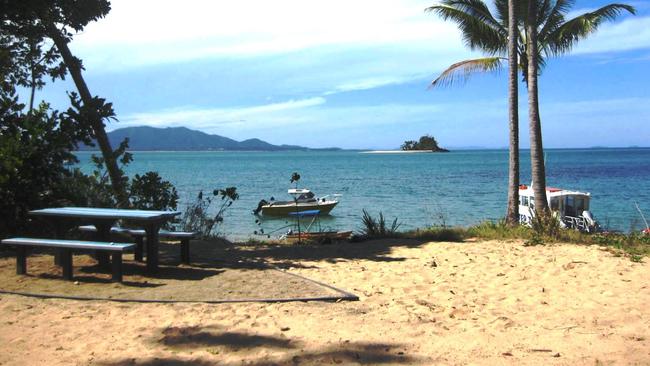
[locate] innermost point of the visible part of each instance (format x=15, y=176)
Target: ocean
x=462, y=187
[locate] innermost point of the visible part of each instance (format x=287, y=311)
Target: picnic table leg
x=66, y=263
x=59, y=233
x=103, y=234
x=21, y=260
x=139, y=247
x=185, y=250
x=152, y=247
x=117, y=267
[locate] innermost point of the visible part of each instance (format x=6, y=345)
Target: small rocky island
x=426, y=143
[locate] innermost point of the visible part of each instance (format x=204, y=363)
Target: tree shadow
x=164, y=361
x=165, y=272
x=93, y=279
x=353, y=353
x=191, y=339
x=197, y=337
x=225, y=254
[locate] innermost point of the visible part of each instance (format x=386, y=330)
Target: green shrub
x=150, y=192
x=198, y=217
x=377, y=228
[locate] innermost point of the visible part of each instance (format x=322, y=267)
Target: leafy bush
x=197, y=216
x=36, y=152
x=150, y=192
x=377, y=228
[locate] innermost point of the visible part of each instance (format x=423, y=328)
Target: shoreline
x=399, y=152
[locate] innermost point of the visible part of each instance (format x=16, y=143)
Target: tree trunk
x=32, y=94
x=538, y=170
x=512, y=214
x=97, y=124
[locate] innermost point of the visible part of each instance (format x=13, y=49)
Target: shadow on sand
x=224, y=344
x=255, y=256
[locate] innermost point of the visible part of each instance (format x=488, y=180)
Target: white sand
x=397, y=152
x=481, y=303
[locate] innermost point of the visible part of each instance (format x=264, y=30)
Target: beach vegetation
x=36, y=154
x=634, y=245
x=498, y=230
x=437, y=233
x=378, y=227
x=200, y=217
x=150, y=192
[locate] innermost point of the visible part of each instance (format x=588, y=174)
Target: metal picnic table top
x=104, y=218
x=106, y=213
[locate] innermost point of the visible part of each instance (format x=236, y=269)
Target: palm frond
x=555, y=16
x=562, y=39
x=487, y=36
x=475, y=8
x=462, y=71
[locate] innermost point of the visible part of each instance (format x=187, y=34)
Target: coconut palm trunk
x=73, y=66
x=538, y=170
x=512, y=213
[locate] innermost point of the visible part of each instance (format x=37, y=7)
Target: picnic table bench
x=65, y=250
x=140, y=234
x=105, y=218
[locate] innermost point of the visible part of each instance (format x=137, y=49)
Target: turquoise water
x=457, y=188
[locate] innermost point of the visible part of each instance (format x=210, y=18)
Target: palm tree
x=512, y=212
x=544, y=30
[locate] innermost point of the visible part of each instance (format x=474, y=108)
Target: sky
x=349, y=74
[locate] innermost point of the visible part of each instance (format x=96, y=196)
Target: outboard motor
x=259, y=207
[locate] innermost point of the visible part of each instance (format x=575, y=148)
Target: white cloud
x=629, y=34
x=214, y=117
x=154, y=31
x=373, y=82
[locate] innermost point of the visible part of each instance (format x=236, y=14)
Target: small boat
x=313, y=229
x=304, y=200
x=570, y=207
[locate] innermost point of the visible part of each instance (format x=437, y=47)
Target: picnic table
x=105, y=218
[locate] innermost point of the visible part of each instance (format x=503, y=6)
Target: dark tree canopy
x=37, y=143
x=426, y=143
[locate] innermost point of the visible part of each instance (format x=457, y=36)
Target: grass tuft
x=378, y=228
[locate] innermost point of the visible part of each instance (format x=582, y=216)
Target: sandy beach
x=397, y=152
x=433, y=303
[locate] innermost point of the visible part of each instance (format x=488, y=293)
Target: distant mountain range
x=183, y=139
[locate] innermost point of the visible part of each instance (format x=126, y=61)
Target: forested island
x=144, y=138
x=425, y=143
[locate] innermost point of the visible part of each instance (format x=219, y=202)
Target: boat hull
x=285, y=209
x=337, y=235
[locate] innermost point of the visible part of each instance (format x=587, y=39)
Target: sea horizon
x=459, y=188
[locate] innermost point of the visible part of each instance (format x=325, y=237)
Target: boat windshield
x=575, y=205
x=309, y=196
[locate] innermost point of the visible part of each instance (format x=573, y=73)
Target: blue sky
x=349, y=74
